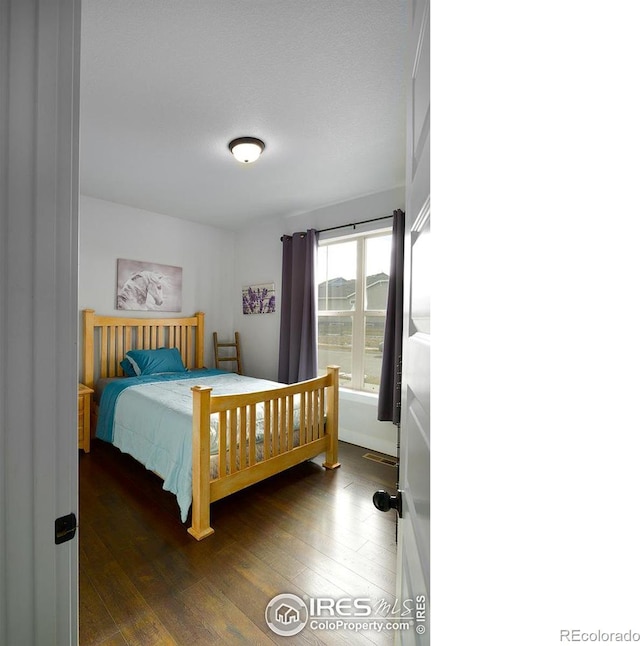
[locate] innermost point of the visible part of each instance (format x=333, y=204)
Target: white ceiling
x=165, y=85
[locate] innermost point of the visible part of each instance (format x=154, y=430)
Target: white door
x=414, y=476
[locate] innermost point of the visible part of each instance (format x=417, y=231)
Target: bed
x=206, y=433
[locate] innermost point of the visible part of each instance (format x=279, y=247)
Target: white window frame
x=359, y=314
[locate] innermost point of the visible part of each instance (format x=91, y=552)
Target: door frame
x=39, y=108
x=413, y=558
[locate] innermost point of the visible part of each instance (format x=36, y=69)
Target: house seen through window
x=353, y=280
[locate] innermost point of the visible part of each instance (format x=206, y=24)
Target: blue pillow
x=151, y=362
x=127, y=368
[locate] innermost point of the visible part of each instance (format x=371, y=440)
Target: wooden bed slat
x=319, y=415
x=243, y=437
x=322, y=409
x=303, y=419
x=233, y=446
x=290, y=404
x=127, y=339
x=111, y=350
x=266, y=431
x=283, y=426
x=222, y=445
x=310, y=412
x=119, y=353
x=275, y=432
x=252, y=434
x=104, y=354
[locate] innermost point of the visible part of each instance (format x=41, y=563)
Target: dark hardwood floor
x=308, y=531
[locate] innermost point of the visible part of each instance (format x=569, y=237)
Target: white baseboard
x=370, y=441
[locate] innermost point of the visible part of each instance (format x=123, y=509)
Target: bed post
x=200, y=510
x=200, y=340
x=331, y=456
x=88, y=336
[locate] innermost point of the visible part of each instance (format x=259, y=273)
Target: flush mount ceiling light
x=246, y=149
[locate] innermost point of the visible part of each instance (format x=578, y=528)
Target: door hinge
x=65, y=528
x=398, y=395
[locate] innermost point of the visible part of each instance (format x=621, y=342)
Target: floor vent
x=383, y=459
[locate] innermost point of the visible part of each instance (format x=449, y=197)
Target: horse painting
x=142, y=291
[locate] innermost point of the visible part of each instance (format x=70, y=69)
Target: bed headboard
x=106, y=340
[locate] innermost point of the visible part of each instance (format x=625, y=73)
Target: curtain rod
x=352, y=224
x=355, y=224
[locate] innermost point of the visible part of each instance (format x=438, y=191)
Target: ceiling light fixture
x=246, y=149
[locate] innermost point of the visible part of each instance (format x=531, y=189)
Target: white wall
x=258, y=259
x=108, y=231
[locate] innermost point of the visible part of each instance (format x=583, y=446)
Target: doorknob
x=384, y=501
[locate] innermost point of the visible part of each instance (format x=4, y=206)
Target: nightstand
x=84, y=408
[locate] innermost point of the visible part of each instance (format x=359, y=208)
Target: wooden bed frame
x=107, y=340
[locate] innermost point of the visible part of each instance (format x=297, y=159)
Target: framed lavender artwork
x=259, y=299
x=148, y=286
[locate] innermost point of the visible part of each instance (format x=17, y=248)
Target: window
x=353, y=280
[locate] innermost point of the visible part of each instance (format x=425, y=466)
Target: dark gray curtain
x=389, y=395
x=298, y=327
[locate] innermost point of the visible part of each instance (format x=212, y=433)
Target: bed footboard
x=275, y=429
